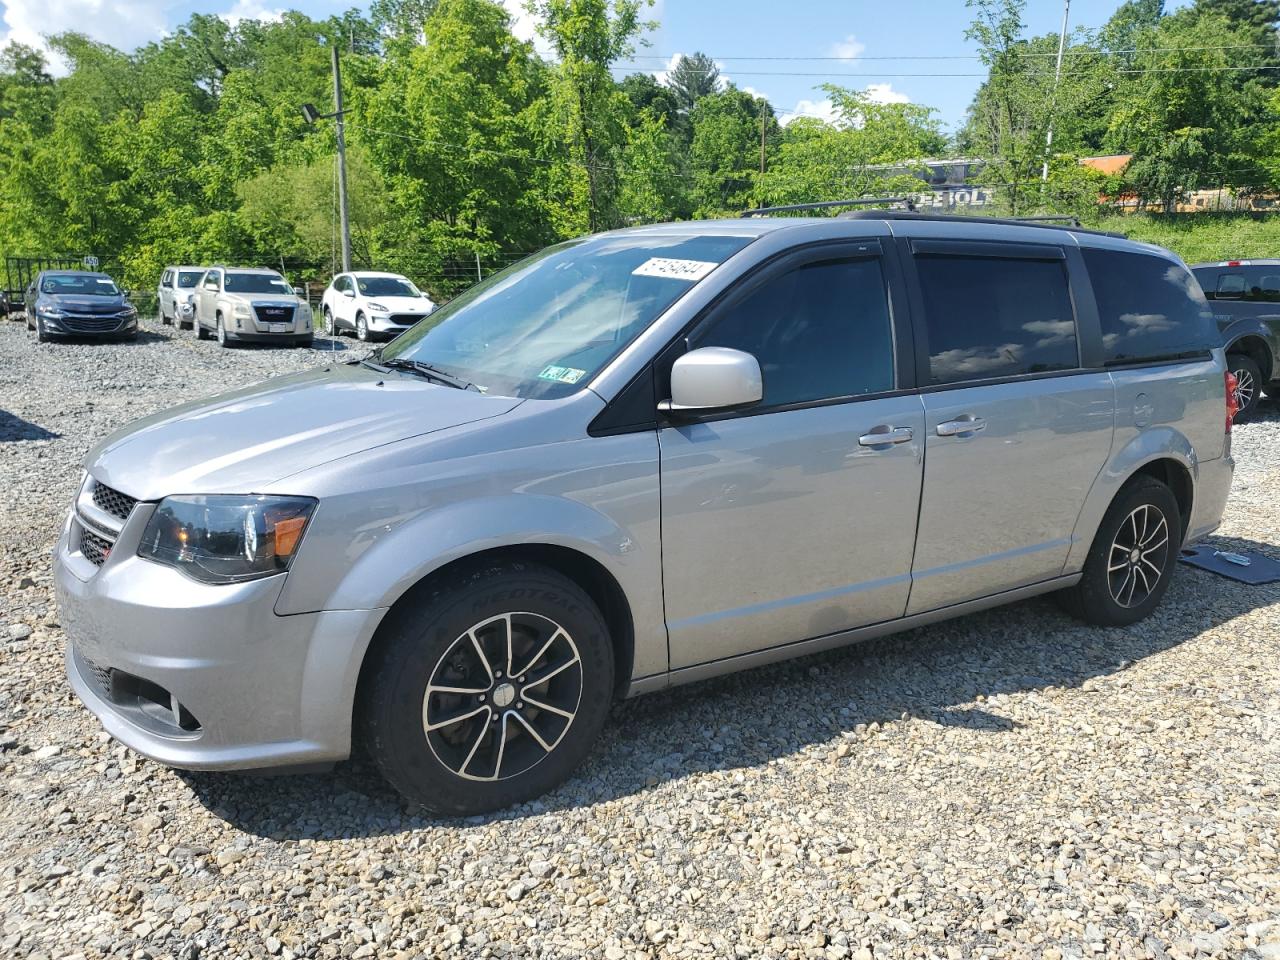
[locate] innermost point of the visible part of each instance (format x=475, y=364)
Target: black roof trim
x=954, y=218
x=826, y=205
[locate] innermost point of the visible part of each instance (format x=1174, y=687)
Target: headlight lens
x=226, y=539
x=378, y=308
x=241, y=310
x=53, y=312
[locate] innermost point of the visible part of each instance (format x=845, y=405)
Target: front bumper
x=247, y=689
x=388, y=323
x=89, y=326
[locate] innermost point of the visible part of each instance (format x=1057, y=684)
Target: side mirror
x=349, y=294
x=713, y=378
x=300, y=292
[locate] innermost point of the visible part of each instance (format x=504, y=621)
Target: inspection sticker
x=691, y=270
x=562, y=374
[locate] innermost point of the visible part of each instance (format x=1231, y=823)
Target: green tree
x=1257, y=19
x=725, y=150
x=588, y=37
x=693, y=77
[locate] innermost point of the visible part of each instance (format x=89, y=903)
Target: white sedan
x=374, y=305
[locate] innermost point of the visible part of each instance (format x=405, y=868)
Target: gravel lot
x=1011, y=784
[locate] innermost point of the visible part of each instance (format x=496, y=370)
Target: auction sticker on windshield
x=562, y=374
x=690, y=270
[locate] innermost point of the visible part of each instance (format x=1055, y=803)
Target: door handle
x=884, y=435
x=961, y=426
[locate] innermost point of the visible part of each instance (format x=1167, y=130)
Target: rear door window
x=1230, y=286
x=990, y=316
x=1151, y=308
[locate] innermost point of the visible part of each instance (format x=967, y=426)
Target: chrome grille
x=274, y=314
x=96, y=549
x=84, y=323
x=113, y=502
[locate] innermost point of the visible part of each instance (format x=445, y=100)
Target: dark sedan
x=79, y=303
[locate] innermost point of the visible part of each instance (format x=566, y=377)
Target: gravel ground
x=1011, y=784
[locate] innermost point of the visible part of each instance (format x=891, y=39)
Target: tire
x=30, y=326
x=201, y=332
x=430, y=638
x=328, y=322
x=1249, y=384
x=1116, y=590
x=223, y=340
x=41, y=336
x=362, y=328
x=163, y=318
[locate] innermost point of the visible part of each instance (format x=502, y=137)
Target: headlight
x=226, y=539
x=304, y=309
x=378, y=308
x=51, y=312
x=241, y=310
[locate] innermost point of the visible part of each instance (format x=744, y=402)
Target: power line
x=666, y=58
x=1070, y=73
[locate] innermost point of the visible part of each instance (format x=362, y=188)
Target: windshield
x=82, y=286
x=386, y=287
x=256, y=283
x=189, y=278
x=547, y=325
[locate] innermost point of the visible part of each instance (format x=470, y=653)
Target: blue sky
x=725, y=29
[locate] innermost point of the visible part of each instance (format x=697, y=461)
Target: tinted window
x=256, y=283
x=992, y=317
x=1231, y=286
x=821, y=330
x=386, y=287
x=88, y=285
x=188, y=278
x=1151, y=308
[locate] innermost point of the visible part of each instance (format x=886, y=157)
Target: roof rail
x=1056, y=218
x=826, y=205
x=1034, y=222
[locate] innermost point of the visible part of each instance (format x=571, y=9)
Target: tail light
x=1233, y=402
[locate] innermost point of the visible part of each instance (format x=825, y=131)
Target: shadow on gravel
x=933, y=673
x=13, y=427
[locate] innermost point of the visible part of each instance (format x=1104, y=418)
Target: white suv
x=373, y=304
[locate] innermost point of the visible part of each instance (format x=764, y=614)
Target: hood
x=82, y=304
x=403, y=304
x=243, y=441
x=289, y=298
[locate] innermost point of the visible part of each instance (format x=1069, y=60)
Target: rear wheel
x=201, y=332
x=488, y=690
x=1131, y=561
x=1248, y=384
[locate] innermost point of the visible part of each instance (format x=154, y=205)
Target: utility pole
x=342, y=161
x=762, y=120
x=1053, y=99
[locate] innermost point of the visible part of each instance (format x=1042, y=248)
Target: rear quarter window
x=1151, y=308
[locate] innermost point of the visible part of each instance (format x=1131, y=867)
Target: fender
x=1266, y=329
x=1153, y=443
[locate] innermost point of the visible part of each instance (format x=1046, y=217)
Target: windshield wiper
x=430, y=372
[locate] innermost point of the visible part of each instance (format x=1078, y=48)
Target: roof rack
x=1058, y=218
x=1036, y=222
x=826, y=205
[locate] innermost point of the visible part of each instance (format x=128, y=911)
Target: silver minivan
x=631, y=461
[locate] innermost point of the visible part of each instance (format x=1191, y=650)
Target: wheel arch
x=587, y=572
x=1256, y=348
x=1162, y=453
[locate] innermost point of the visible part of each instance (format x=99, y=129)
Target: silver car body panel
x=734, y=542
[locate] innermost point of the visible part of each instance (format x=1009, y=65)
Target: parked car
x=639, y=459
x=176, y=295
x=1245, y=297
x=374, y=305
x=79, y=303
x=243, y=305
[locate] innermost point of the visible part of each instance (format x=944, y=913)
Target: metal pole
x=1053, y=99
x=342, y=164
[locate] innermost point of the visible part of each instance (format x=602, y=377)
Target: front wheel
x=1248, y=384
x=1132, y=558
x=328, y=322
x=223, y=339
x=487, y=690
x=362, y=328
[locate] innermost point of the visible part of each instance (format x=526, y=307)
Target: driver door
x=207, y=298
x=796, y=517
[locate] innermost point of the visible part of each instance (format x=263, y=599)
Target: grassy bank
x=1204, y=236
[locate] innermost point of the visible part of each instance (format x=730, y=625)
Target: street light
x=311, y=115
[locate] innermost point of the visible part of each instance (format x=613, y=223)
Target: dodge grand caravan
x=635, y=460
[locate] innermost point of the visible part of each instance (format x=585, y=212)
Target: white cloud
x=884, y=93
x=661, y=75
x=525, y=27
x=822, y=110
x=252, y=10
x=125, y=24
x=850, y=48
